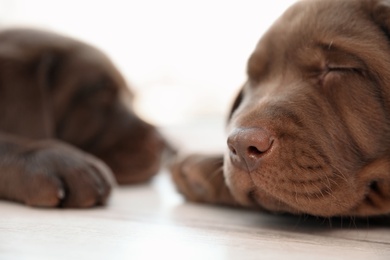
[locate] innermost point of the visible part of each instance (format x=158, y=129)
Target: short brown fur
x=319, y=88
x=66, y=130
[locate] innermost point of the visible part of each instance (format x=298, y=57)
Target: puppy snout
x=247, y=147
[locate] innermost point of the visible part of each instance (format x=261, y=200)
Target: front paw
x=58, y=175
x=200, y=178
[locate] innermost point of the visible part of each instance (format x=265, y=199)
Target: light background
x=184, y=59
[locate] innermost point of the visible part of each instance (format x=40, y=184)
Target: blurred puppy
x=65, y=125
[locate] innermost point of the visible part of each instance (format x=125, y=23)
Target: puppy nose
x=248, y=145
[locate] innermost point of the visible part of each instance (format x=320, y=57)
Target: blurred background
x=184, y=59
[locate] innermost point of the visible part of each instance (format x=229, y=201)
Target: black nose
x=248, y=145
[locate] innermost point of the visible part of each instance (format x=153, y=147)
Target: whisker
x=320, y=191
x=296, y=193
x=215, y=173
x=308, y=197
x=341, y=175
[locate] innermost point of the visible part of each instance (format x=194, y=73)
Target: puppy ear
x=236, y=103
x=380, y=11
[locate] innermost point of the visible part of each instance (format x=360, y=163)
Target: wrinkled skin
x=309, y=132
x=67, y=129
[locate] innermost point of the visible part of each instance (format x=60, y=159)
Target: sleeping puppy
x=66, y=124
x=309, y=132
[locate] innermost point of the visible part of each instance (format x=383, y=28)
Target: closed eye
x=331, y=73
x=343, y=70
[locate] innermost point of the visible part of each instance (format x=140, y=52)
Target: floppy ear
x=236, y=104
x=380, y=11
x=24, y=101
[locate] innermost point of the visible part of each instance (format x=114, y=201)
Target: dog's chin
x=259, y=189
x=135, y=158
x=246, y=193
x=137, y=167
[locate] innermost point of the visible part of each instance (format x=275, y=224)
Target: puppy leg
x=51, y=174
x=200, y=178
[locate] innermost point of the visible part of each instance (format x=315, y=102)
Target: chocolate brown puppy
x=66, y=123
x=309, y=132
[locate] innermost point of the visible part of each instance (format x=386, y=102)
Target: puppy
x=66, y=124
x=309, y=132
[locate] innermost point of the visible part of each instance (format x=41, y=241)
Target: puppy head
x=310, y=130
x=93, y=110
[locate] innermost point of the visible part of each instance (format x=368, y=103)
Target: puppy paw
x=58, y=175
x=200, y=178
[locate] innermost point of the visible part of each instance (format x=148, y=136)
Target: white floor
x=152, y=221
